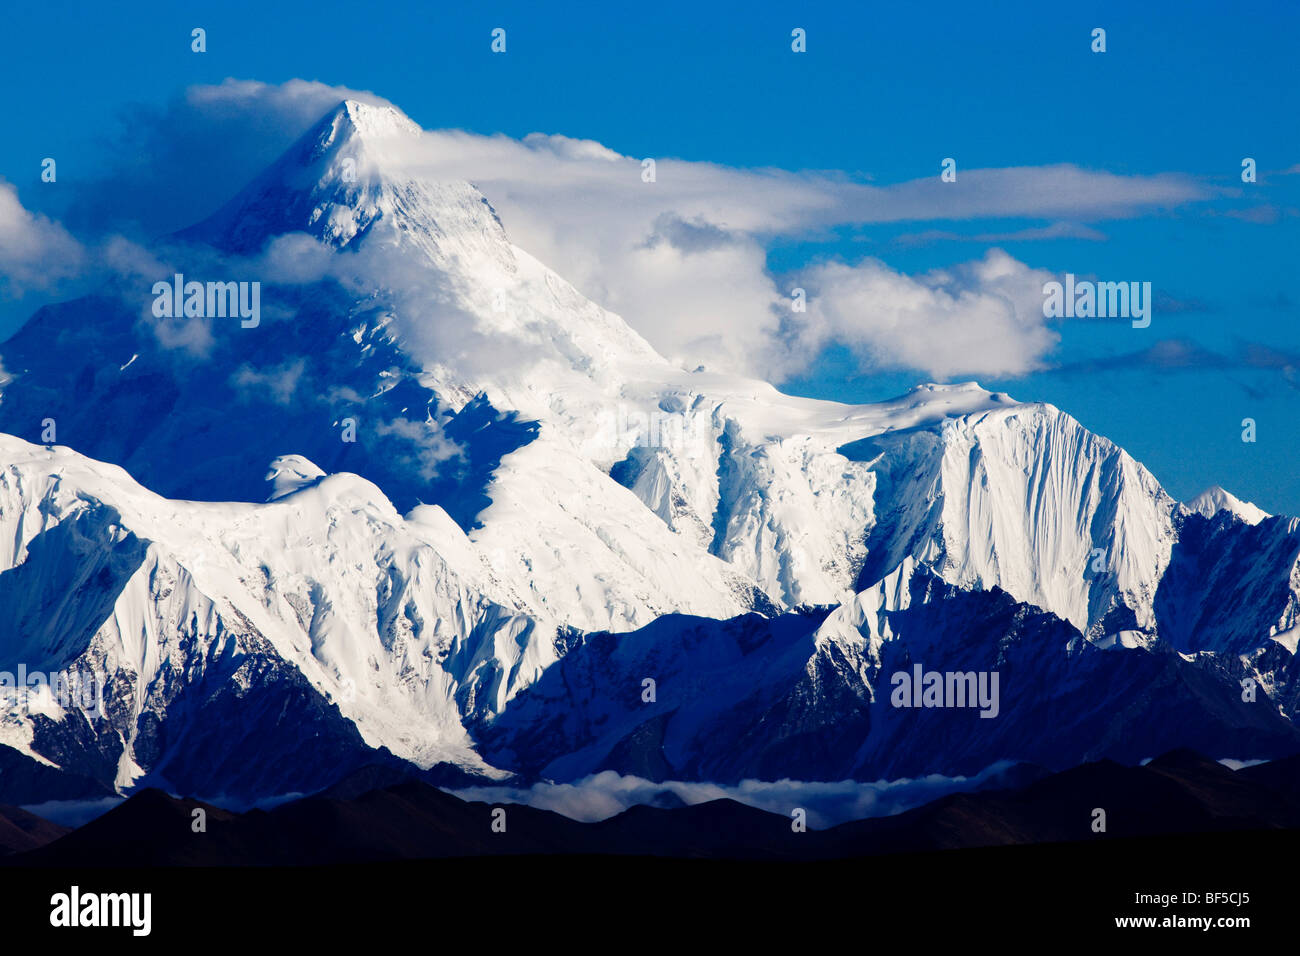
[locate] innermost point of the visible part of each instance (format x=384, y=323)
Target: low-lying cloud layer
x=608, y=793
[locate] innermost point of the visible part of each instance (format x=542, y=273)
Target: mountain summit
x=341, y=180
x=1215, y=499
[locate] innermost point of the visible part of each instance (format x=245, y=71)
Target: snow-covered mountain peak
x=1215, y=499
x=371, y=121
x=949, y=388
x=289, y=473
x=346, y=179
x=475, y=312
x=957, y=398
x=355, y=140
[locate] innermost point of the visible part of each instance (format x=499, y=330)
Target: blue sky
x=881, y=96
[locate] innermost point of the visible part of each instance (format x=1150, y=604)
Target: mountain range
x=438, y=511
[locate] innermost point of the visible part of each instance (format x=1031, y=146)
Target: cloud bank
x=681, y=255
x=609, y=793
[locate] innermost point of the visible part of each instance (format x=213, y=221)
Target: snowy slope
x=401, y=623
x=1026, y=499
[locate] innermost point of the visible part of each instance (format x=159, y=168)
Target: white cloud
x=609, y=793
x=35, y=251
x=435, y=448
x=684, y=258
x=984, y=317
x=192, y=336
x=278, y=384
